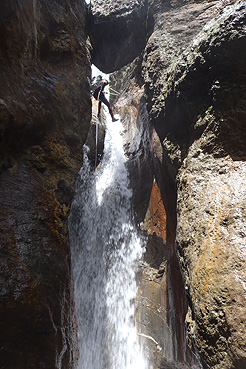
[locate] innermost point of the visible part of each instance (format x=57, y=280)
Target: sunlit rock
x=201, y=124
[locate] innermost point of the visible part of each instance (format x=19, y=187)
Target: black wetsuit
x=99, y=95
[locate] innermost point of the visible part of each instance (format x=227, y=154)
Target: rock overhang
x=118, y=32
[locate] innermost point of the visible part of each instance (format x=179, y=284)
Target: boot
x=112, y=115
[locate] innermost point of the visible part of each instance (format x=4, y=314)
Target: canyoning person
x=100, y=96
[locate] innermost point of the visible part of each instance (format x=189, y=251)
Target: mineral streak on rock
x=195, y=91
x=155, y=219
x=211, y=247
x=161, y=304
x=201, y=123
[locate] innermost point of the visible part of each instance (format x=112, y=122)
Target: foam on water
x=105, y=248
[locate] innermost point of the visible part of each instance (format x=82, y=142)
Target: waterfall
x=105, y=250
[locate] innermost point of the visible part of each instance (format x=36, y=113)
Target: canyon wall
x=44, y=119
x=161, y=302
x=200, y=119
x=183, y=106
x=190, y=76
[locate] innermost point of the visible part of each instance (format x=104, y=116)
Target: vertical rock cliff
x=210, y=186
x=162, y=305
x=44, y=119
x=193, y=75
x=201, y=124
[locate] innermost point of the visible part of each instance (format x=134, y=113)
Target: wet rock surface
x=95, y=138
x=199, y=114
x=193, y=117
x=161, y=303
x=44, y=119
x=195, y=93
x=131, y=106
x=211, y=247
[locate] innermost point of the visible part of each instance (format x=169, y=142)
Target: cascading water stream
x=105, y=248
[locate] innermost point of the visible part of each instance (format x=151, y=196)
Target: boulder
x=177, y=23
x=118, y=32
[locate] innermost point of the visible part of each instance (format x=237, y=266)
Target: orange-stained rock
x=198, y=109
x=155, y=219
x=211, y=240
x=161, y=305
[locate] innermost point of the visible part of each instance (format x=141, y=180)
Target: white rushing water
x=105, y=248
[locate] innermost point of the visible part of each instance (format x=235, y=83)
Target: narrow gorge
x=123, y=244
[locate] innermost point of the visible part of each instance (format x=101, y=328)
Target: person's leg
x=106, y=102
x=99, y=108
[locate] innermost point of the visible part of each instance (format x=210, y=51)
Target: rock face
x=201, y=123
x=161, y=305
x=211, y=193
x=44, y=119
x=187, y=163
x=118, y=32
x=195, y=91
x=131, y=106
x=176, y=25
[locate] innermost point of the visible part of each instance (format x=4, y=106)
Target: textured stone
x=162, y=305
x=200, y=117
x=44, y=119
x=155, y=217
x=211, y=245
x=118, y=32
x=176, y=24
x=195, y=91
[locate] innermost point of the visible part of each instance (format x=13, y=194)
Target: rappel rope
x=116, y=92
x=96, y=144
x=112, y=93
x=97, y=131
